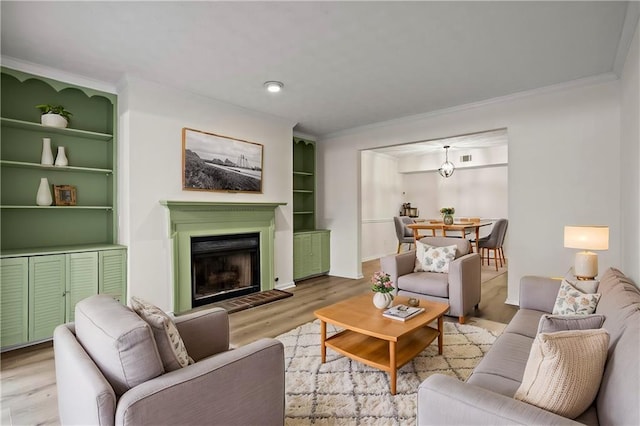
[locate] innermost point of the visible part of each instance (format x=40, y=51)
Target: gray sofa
x=486, y=397
x=109, y=371
x=460, y=288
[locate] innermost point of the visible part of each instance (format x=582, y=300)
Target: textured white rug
x=346, y=392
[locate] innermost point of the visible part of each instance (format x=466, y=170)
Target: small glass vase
x=382, y=300
x=447, y=219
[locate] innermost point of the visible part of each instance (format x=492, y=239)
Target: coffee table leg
x=440, y=334
x=323, y=338
x=392, y=364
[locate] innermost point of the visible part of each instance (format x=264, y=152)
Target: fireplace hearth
x=224, y=266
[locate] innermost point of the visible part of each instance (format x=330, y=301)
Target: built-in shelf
x=28, y=125
x=60, y=207
x=303, y=173
x=302, y=213
x=60, y=249
x=303, y=191
x=25, y=165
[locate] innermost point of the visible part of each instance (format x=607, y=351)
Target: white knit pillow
x=571, y=301
x=170, y=345
x=564, y=371
x=433, y=259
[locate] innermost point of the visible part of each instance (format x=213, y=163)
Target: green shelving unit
x=310, y=245
x=53, y=256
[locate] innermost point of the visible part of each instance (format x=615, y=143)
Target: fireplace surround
x=194, y=219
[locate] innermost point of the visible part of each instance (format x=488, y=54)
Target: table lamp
x=586, y=238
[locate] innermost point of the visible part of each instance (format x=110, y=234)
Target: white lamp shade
x=586, y=237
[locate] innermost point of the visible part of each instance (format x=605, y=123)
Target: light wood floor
x=27, y=376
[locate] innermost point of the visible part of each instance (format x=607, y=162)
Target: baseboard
x=285, y=286
x=512, y=302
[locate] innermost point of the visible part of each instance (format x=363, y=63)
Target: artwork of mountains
x=218, y=163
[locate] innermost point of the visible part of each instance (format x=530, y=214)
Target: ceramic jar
x=43, y=198
x=53, y=120
x=61, y=158
x=47, y=156
x=382, y=300
x=447, y=219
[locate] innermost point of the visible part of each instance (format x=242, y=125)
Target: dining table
x=456, y=226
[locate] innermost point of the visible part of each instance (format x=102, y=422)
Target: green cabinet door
x=14, y=302
x=46, y=295
x=301, y=250
x=113, y=274
x=325, y=254
x=82, y=279
x=310, y=253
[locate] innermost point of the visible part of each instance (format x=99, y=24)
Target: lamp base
x=585, y=266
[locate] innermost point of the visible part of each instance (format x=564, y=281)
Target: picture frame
x=64, y=195
x=212, y=162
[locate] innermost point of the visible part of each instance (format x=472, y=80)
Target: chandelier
x=447, y=168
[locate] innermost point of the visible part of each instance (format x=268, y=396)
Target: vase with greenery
x=382, y=288
x=54, y=115
x=447, y=215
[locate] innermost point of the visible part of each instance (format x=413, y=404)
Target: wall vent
x=465, y=158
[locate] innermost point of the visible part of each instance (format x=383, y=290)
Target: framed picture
x=64, y=195
x=212, y=162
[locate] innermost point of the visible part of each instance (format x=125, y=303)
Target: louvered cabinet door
x=46, y=295
x=113, y=274
x=14, y=301
x=82, y=279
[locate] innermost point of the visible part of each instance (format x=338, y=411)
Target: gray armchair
x=404, y=234
x=109, y=371
x=460, y=288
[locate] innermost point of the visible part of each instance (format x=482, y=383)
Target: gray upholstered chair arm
x=84, y=395
x=241, y=386
x=538, y=293
x=464, y=283
x=445, y=400
x=397, y=265
x=204, y=333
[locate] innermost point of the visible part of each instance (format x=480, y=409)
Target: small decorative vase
x=382, y=300
x=43, y=198
x=53, y=120
x=448, y=219
x=61, y=158
x=47, y=156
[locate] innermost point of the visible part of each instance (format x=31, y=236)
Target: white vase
x=382, y=300
x=43, y=198
x=47, y=156
x=61, y=158
x=53, y=120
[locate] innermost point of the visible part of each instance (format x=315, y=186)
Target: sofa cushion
x=562, y=361
x=433, y=259
x=525, y=322
x=430, y=283
x=119, y=342
x=571, y=301
x=170, y=345
x=553, y=323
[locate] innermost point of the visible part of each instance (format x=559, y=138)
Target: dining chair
x=404, y=234
x=494, y=241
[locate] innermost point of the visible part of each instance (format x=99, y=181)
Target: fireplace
x=224, y=266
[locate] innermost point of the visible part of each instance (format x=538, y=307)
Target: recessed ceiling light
x=273, y=86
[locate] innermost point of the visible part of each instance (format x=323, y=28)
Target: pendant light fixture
x=447, y=168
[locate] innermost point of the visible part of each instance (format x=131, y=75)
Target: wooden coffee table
x=380, y=342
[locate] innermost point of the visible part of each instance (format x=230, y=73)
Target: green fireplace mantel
x=202, y=218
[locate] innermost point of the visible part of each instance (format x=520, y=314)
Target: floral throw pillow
x=433, y=259
x=571, y=301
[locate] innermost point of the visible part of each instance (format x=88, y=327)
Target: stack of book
x=402, y=312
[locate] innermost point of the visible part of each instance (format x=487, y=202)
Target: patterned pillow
x=571, y=301
x=560, y=361
x=170, y=345
x=433, y=259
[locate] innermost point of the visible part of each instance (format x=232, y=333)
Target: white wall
x=150, y=143
x=563, y=143
x=630, y=159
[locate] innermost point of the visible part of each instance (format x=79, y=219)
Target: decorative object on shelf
x=212, y=162
x=43, y=197
x=407, y=210
x=585, y=265
x=447, y=168
x=65, y=195
x=61, y=158
x=447, y=215
x=47, y=156
x=54, y=115
x=413, y=302
x=382, y=287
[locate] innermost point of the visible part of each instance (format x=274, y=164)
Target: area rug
x=252, y=300
x=346, y=392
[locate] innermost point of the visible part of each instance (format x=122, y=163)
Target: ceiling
x=343, y=64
